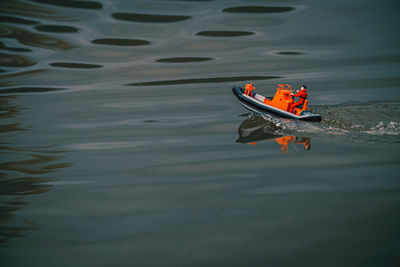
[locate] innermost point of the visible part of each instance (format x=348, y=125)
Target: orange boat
x=279, y=105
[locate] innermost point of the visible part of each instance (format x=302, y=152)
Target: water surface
x=122, y=144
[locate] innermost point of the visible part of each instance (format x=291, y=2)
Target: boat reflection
x=286, y=140
x=256, y=129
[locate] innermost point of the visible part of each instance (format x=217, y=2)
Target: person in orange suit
x=249, y=89
x=302, y=97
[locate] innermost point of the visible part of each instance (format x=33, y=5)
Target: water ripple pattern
x=203, y=80
x=120, y=42
x=57, y=28
x=183, y=59
x=122, y=144
x=258, y=9
x=224, y=33
x=148, y=18
x=72, y=3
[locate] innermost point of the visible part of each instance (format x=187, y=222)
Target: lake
x=123, y=145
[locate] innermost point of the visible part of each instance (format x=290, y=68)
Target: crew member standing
x=302, y=97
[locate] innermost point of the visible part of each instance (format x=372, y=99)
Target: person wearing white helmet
x=302, y=97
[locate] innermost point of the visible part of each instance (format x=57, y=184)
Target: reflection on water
x=24, y=171
x=14, y=49
x=18, y=90
x=9, y=111
x=15, y=61
x=120, y=42
x=14, y=75
x=23, y=8
x=256, y=129
x=75, y=65
x=149, y=18
x=17, y=20
x=32, y=39
x=204, y=80
x=56, y=28
x=286, y=140
x=183, y=59
x=72, y=3
x=290, y=53
x=224, y=33
x=258, y=9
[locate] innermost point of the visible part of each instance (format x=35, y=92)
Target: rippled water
x=122, y=144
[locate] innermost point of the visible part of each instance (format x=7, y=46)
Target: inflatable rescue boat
x=279, y=105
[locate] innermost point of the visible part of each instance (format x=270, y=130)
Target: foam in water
x=362, y=122
x=390, y=128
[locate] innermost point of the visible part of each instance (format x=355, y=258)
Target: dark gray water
x=122, y=144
